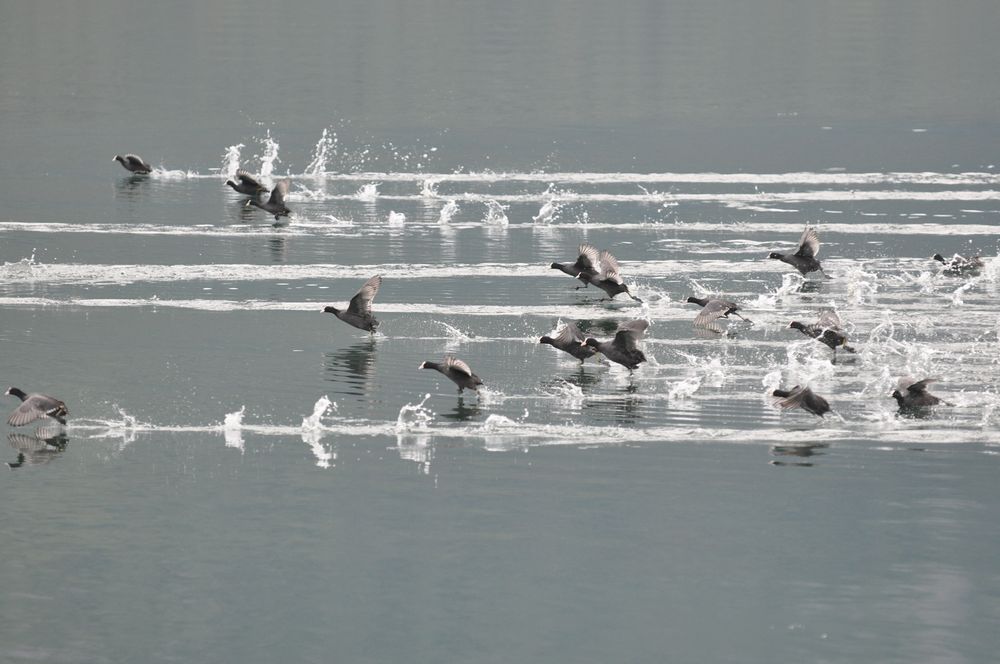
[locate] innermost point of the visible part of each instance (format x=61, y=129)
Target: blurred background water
x=244, y=478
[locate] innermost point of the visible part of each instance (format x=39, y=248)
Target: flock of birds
x=592, y=267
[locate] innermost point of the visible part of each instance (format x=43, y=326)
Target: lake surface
x=245, y=478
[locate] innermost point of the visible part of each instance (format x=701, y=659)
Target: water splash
x=414, y=417
x=367, y=193
x=685, y=388
x=312, y=431
x=496, y=214
x=324, y=148
x=550, y=208
x=456, y=337
x=861, y=285
x=231, y=161
x=396, y=218
x=448, y=212
x=791, y=282
x=232, y=429
x=429, y=188
x=268, y=155
x=22, y=269
x=569, y=395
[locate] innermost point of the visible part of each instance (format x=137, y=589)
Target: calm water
x=247, y=479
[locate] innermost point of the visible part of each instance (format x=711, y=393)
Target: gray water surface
x=244, y=478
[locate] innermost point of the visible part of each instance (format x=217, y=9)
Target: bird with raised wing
x=134, y=164
x=359, y=312
x=35, y=407
x=584, y=267
x=804, y=259
x=801, y=397
x=457, y=371
x=245, y=183
x=713, y=309
x=959, y=265
x=624, y=348
x=570, y=339
x=609, y=278
x=827, y=329
x=276, y=203
x=912, y=396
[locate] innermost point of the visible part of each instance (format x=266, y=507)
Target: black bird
x=570, y=340
x=804, y=398
x=624, y=348
x=276, y=203
x=35, y=407
x=584, y=267
x=134, y=163
x=959, y=265
x=609, y=279
x=246, y=184
x=913, y=397
x=712, y=310
x=457, y=370
x=359, y=312
x=827, y=329
x=803, y=260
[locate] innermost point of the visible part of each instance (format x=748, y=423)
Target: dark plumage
x=826, y=329
x=624, y=348
x=570, y=340
x=609, y=278
x=804, y=398
x=359, y=312
x=584, y=267
x=134, y=163
x=712, y=310
x=959, y=265
x=35, y=407
x=803, y=260
x=246, y=184
x=276, y=203
x=913, y=397
x=457, y=371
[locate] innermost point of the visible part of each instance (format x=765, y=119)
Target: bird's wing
x=361, y=303
x=136, y=160
x=795, y=397
x=589, y=257
x=712, y=310
x=452, y=362
x=609, y=266
x=629, y=334
x=25, y=413
x=808, y=244
x=248, y=180
x=828, y=320
x=569, y=333
x=279, y=192
x=920, y=385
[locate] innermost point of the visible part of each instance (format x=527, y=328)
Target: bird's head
x=545, y=340
x=329, y=310
x=796, y=325
x=592, y=342
x=776, y=255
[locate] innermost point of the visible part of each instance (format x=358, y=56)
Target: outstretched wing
x=808, y=244
x=795, y=397
x=609, y=267
x=920, y=385
x=25, y=413
x=828, y=320
x=361, y=303
x=279, y=192
x=452, y=362
x=569, y=333
x=589, y=257
x=629, y=334
x=247, y=180
x=712, y=310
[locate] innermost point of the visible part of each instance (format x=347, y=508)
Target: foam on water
x=414, y=417
x=396, y=218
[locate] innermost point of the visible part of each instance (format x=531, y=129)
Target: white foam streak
x=232, y=428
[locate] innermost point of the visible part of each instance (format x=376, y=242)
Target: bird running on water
x=804, y=259
x=359, y=312
x=457, y=371
x=276, y=203
x=246, y=183
x=802, y=397
x=134, y=164
x=624, y=348
x=35, y=407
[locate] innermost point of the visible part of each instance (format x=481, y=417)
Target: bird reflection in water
x=37, y=448
x=279, y=249
x=354, y=367
x=801, y=451
x=462, y=412
x=131, y=188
